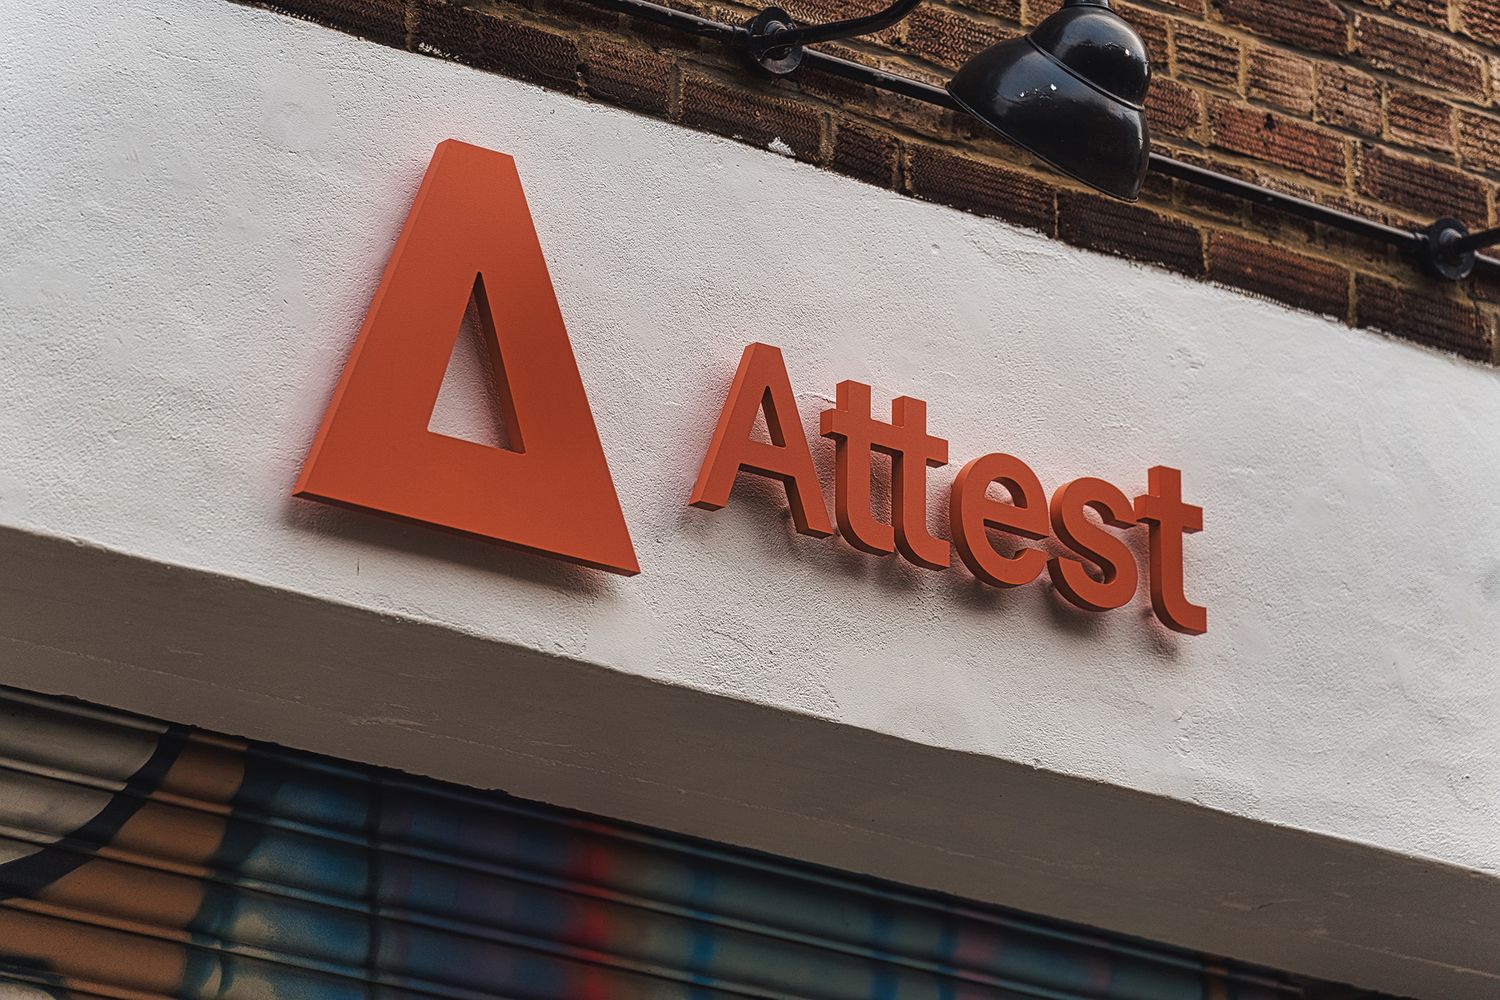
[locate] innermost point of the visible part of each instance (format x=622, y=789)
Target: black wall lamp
x=1072, y=92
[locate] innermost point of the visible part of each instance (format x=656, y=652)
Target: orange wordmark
x=1099, y=574
x=1162, y=508
x=469, y=235
x=761, y=386
x=911, y=450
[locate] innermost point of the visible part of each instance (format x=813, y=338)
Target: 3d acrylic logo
x=469, y=236
x=761, y=387
x=469, y=239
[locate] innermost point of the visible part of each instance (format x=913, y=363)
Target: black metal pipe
x=1289, y=204
x=806, y=34
x=860, y=73
x=1413, y=244
x=1476, y=241
x=680, y=20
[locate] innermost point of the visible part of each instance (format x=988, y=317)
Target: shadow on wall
x=427, y=541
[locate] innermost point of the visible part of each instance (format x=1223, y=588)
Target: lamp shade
x=1072, y=92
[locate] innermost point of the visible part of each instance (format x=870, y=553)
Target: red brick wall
x=1388, y=108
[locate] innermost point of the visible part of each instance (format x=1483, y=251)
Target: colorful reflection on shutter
x=139, y=859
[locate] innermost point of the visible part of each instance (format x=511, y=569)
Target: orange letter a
x=761, y=383
x=470, y=231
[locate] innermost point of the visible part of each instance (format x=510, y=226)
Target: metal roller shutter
x=139, y=859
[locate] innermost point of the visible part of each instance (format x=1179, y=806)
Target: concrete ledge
x=268, y=664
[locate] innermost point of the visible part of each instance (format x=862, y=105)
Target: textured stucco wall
x=200, y=201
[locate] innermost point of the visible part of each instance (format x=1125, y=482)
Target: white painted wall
x=200, y=199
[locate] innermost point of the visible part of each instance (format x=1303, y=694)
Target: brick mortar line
x=987, y=146
x=888, y=56
x=1452, y=30
x=707, y=60
x=996, y=148
x=1398, y=271
x=891, y=59
x=1205, y=224
x=1351, y=60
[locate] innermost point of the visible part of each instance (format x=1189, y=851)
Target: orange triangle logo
x=469, y=237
